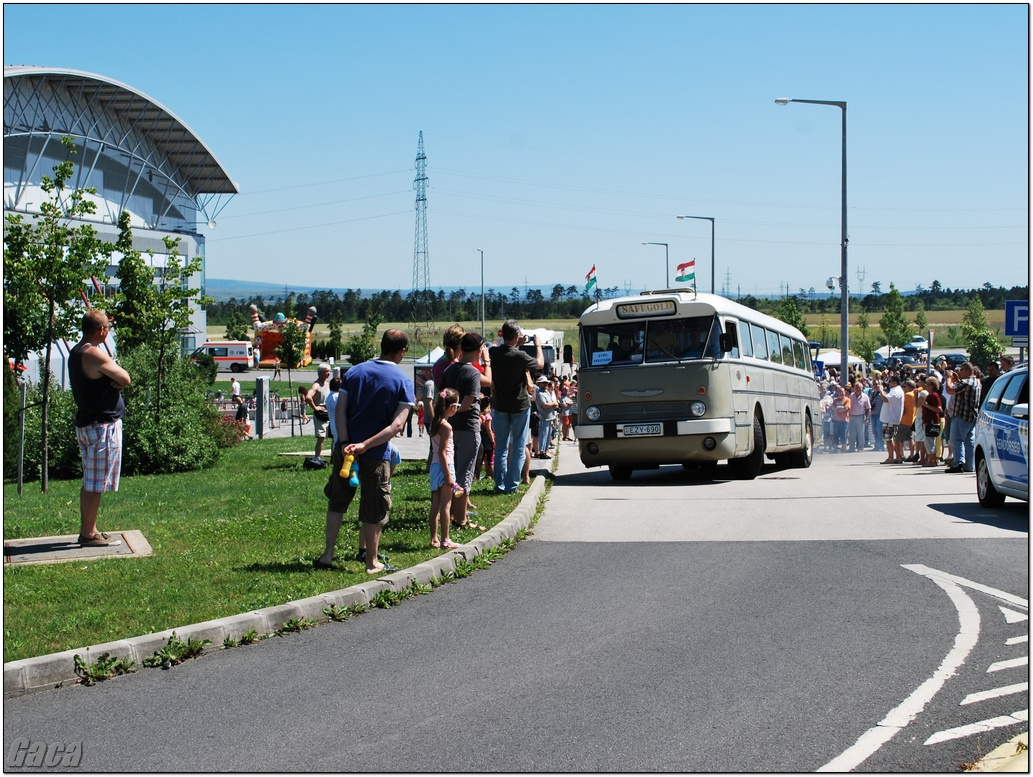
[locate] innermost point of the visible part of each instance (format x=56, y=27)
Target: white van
x=232, y=355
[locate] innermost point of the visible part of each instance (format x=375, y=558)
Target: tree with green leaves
x=154, y=311
x=47, y=263
x=237, y=327
x=790, y=314
x=290, y=352
x=363, y=346
x=336, y=341
x=864, y=344
x=983, y=343
x=921, y=319
x=895, y=327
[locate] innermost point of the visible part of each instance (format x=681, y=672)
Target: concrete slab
x=65, y=548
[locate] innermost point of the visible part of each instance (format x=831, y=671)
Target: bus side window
x=774, y=348
x=730, y=330
x=798, y=352
x=745, y=340
x=760, y=341
x=787, y=350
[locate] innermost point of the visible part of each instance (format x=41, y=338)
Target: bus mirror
x=727, y=343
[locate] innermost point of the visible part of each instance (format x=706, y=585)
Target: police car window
x=994, y=394
x=1014, y=393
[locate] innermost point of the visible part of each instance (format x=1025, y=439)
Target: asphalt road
x=849, y=616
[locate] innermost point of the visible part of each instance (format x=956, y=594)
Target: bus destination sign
x=663, y=307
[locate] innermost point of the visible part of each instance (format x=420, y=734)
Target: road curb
x=1012, y=756
x=31, y=675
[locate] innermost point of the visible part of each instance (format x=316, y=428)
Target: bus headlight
x=697, y=408
x=593, y=413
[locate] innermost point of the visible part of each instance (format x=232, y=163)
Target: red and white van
x=231, y=355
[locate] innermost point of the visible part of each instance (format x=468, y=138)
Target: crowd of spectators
x=918, y=414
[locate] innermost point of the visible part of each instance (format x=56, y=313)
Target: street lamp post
x=844, y=302
x=667, y=263
x=482, y=291
x=711, y=220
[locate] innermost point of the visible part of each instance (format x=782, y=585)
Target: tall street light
x=844, y=301
x=667, y=263
x=711, y=220
x=482, y=291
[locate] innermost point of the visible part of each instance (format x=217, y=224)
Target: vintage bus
x=676, y=377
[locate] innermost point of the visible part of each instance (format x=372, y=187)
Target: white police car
x=1002, y=440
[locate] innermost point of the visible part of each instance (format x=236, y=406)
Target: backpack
x=311, y=462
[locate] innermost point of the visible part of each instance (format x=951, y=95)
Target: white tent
x=835, y=359
x=431, y=357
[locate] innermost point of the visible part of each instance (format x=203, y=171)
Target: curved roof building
x=140, y=157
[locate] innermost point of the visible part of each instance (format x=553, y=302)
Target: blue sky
x=558, y=137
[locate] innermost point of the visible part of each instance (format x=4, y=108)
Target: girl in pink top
x=442, y=468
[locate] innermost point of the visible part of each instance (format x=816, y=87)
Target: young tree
x=894, y=326
x=154, y=313
x=362, y=347
x=790, y=314
x=237, y=327
x=46, y=265
x=983, y=345
x=921, y=319
x=864, y=345
x=336, y=340
x=290, y=352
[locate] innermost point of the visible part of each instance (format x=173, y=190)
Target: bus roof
x=687, y=302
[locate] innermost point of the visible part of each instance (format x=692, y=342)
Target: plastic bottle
x=353, y=479
x=346, y=467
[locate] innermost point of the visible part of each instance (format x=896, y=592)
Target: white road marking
x=1017, y=640
x=899, y=717
x=995, y=693
x=1018, y=601
x=1022, y=716
x=1011, y=663
x=1014, y=617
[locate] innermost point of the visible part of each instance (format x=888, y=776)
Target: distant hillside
x=223, y=290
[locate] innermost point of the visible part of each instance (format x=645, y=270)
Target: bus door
x=739, y=382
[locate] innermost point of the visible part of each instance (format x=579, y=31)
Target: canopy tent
x=835, y=359
x=431, y=357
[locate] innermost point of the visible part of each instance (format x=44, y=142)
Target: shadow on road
x=1013, y=516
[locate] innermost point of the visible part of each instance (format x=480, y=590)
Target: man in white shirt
x=890, y=415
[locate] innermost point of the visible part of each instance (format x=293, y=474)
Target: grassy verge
x=233, y=538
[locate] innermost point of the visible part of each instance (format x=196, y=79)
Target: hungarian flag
x=686, y=272
x=590, y=279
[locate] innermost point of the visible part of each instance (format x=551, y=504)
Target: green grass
x=236, y=537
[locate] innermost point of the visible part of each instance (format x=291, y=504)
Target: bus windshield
x=664, y=340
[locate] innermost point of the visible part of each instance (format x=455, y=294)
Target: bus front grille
x=627, y=412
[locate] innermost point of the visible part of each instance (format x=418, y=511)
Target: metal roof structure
x=105, y=115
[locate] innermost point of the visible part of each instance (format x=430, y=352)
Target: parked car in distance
x=1002, y=440
x=954, y=360
x=918, y=344
x=900, y=358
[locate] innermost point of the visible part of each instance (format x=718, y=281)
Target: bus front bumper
x=666, y=442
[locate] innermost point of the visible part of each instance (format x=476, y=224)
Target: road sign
x=1016, y=318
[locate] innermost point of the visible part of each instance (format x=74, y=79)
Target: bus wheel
x=621, y=472
x=802, y=458
x=748, y=467
x=234, y=368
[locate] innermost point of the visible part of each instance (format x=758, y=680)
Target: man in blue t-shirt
x=373, y=403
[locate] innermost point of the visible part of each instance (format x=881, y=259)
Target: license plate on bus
x=641, y=430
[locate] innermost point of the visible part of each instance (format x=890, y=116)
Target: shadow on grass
x=279, y=566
